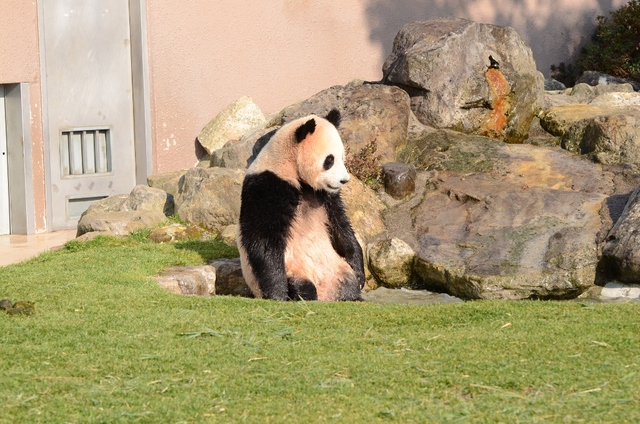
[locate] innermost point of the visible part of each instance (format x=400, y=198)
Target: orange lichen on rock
x=495, y=120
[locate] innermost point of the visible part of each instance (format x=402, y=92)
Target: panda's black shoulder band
x=268, y=207
x=305, y=129
x=334, y=117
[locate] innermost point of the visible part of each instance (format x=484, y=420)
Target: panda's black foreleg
x=302, y=289
x=350, y=290
x=346, y=245
x=266, y=212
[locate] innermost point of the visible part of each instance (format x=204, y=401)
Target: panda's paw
x=302, y=289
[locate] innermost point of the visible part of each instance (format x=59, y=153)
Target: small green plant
x=365, y=165
x=566, y=74
x=615, y=45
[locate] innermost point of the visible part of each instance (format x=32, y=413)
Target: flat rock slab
x=621, y=291
x=445, y=150
x=407, y=297
x=523, y=226
x=482, y=238
x=192, y=280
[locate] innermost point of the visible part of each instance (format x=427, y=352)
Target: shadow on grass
x=209, y=249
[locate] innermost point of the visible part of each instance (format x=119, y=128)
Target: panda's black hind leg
x=301, y=289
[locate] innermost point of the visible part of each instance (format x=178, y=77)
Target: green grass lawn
x=106, y=344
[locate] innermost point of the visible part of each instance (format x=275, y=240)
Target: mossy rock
x=446, y=150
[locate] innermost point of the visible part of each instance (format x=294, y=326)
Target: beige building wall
x=206, y=55
x=20, y=63
x=209, y=54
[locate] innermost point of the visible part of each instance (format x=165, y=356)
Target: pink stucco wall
x=205, y=56
x=19, y=41
x=20, y=63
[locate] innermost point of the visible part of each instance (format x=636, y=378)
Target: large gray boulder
x=364, y=209
x=470, y=77
x=168, y=181
x=370, y=112
x=482, y=238
x=621, y=253
x=210, y=197
x=145, y=198
x=123, y=214
x=607, y=127
x=230, y=124
x=500, y=221
x=239, y=155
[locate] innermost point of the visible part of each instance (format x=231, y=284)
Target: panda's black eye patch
x=328, y=162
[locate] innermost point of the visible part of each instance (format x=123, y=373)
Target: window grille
x=85, y=151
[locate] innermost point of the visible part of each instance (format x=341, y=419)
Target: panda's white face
x=321, y=159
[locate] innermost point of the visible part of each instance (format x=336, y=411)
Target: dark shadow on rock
x=615, y=205
x=200, y=152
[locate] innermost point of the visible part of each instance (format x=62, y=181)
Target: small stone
x=5, y=304
x=391, y=262
x=175, y=232
x=551, y=84
x=193, y=280
x=22, y=307
x=229, y=279
x=399, y=179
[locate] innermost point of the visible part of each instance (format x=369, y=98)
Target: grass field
x=106, y=344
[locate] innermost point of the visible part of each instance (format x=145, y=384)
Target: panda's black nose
x=344, y=181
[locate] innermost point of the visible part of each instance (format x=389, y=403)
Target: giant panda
x=294, y=238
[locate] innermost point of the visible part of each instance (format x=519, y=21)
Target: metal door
x=88, y=104
x=4, y=181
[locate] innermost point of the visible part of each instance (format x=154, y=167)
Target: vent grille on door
x=85, y=151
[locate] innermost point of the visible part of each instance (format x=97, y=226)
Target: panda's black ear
x=334, y=117
x=305, y=129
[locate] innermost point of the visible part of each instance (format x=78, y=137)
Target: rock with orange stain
x=444, y=65
x=495, y=121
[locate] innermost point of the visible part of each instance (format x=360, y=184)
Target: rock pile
x=547, y=215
